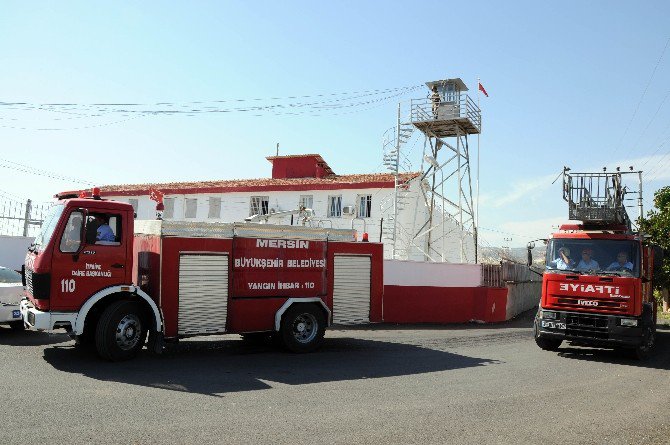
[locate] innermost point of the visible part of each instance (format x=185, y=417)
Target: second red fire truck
x=597, y=286
x=172, y=279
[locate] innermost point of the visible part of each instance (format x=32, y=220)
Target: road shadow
x=10, y=337
x=219, y=367
x=522, y=320
x=658, y=359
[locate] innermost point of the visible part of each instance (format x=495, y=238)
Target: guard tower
x=445, y=118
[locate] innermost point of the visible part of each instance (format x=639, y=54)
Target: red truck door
x=82, y=265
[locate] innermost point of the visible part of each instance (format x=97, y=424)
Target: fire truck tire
x=17, y=325
x=547, y=344
x=642, y=352
x=121, y=331
x=302, y=328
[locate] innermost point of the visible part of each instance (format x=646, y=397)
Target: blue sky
x=564, y=78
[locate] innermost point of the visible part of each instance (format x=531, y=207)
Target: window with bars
x=259, y=205
x=191, y=205
x=364, y=206
x=335, y=206
x=168, y=212
x=306, y=201
x=214, y=207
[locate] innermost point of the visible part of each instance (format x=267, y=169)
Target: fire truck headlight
x=631, y=322
x=548, y=315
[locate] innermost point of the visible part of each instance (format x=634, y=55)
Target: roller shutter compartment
x=351, y=293
x=203, y=293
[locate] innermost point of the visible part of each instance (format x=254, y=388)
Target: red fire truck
x=110, y=281
x=596, y=289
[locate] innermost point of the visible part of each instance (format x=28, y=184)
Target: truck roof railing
x=599, y=198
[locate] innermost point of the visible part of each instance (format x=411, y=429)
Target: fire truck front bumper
x=9, y=312
x=46, y=321
x=591, y=329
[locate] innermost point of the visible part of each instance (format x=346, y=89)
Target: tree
x=657, y=225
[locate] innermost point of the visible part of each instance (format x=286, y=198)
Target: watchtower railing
x=462, y=107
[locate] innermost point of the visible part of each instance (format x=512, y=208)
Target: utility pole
x=26, y=218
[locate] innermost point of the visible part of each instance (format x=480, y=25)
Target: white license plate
x=553, y=324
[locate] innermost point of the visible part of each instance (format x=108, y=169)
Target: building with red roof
x=360, y=201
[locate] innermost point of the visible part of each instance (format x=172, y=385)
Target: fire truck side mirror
x=530, y=246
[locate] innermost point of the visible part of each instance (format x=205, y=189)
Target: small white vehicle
x=11, y=293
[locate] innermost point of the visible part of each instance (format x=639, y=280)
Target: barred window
x=335, y=206
x=259, y=205
x=306, y=201
x=364, y=206
x=191, y=205
x=214, y=207
x=168, y=212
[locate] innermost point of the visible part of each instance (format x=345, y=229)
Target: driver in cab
x=621, y=263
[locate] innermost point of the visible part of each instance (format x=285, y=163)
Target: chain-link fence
x=21, y=218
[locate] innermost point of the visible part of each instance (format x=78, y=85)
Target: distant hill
x=494, y=255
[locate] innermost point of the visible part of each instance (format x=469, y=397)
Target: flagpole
x=478, y=136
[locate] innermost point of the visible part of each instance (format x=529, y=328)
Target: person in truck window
x=621, y=263
x=103, y=232
x=563, y=261
x=587, y=263
x=73, y=230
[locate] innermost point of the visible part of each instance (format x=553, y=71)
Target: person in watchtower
x=435, y=99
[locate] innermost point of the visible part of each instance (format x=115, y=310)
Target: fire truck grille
x=574, y=303
x=29, y=280
x=586, y=325
x=38, y=284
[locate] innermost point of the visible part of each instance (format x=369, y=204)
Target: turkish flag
x=481, y=88
x=156, y=195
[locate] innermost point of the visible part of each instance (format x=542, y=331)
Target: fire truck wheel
x=642, y=351
x=121, y=331
x=547, y=344
x=17, y=325
x=302, y=328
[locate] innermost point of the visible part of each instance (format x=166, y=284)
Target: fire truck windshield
x=608, y=257
x=48, y=227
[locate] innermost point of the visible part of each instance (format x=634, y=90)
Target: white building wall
x=235, y=207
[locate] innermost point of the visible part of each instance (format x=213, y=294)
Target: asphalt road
x=392, y=385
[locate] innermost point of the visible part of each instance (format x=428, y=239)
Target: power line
x=650, y=121
x=658, y=62
x=15, y=166
x=257, y=99
x=314, y=108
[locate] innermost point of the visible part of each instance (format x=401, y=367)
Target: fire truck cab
x=111, y=281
